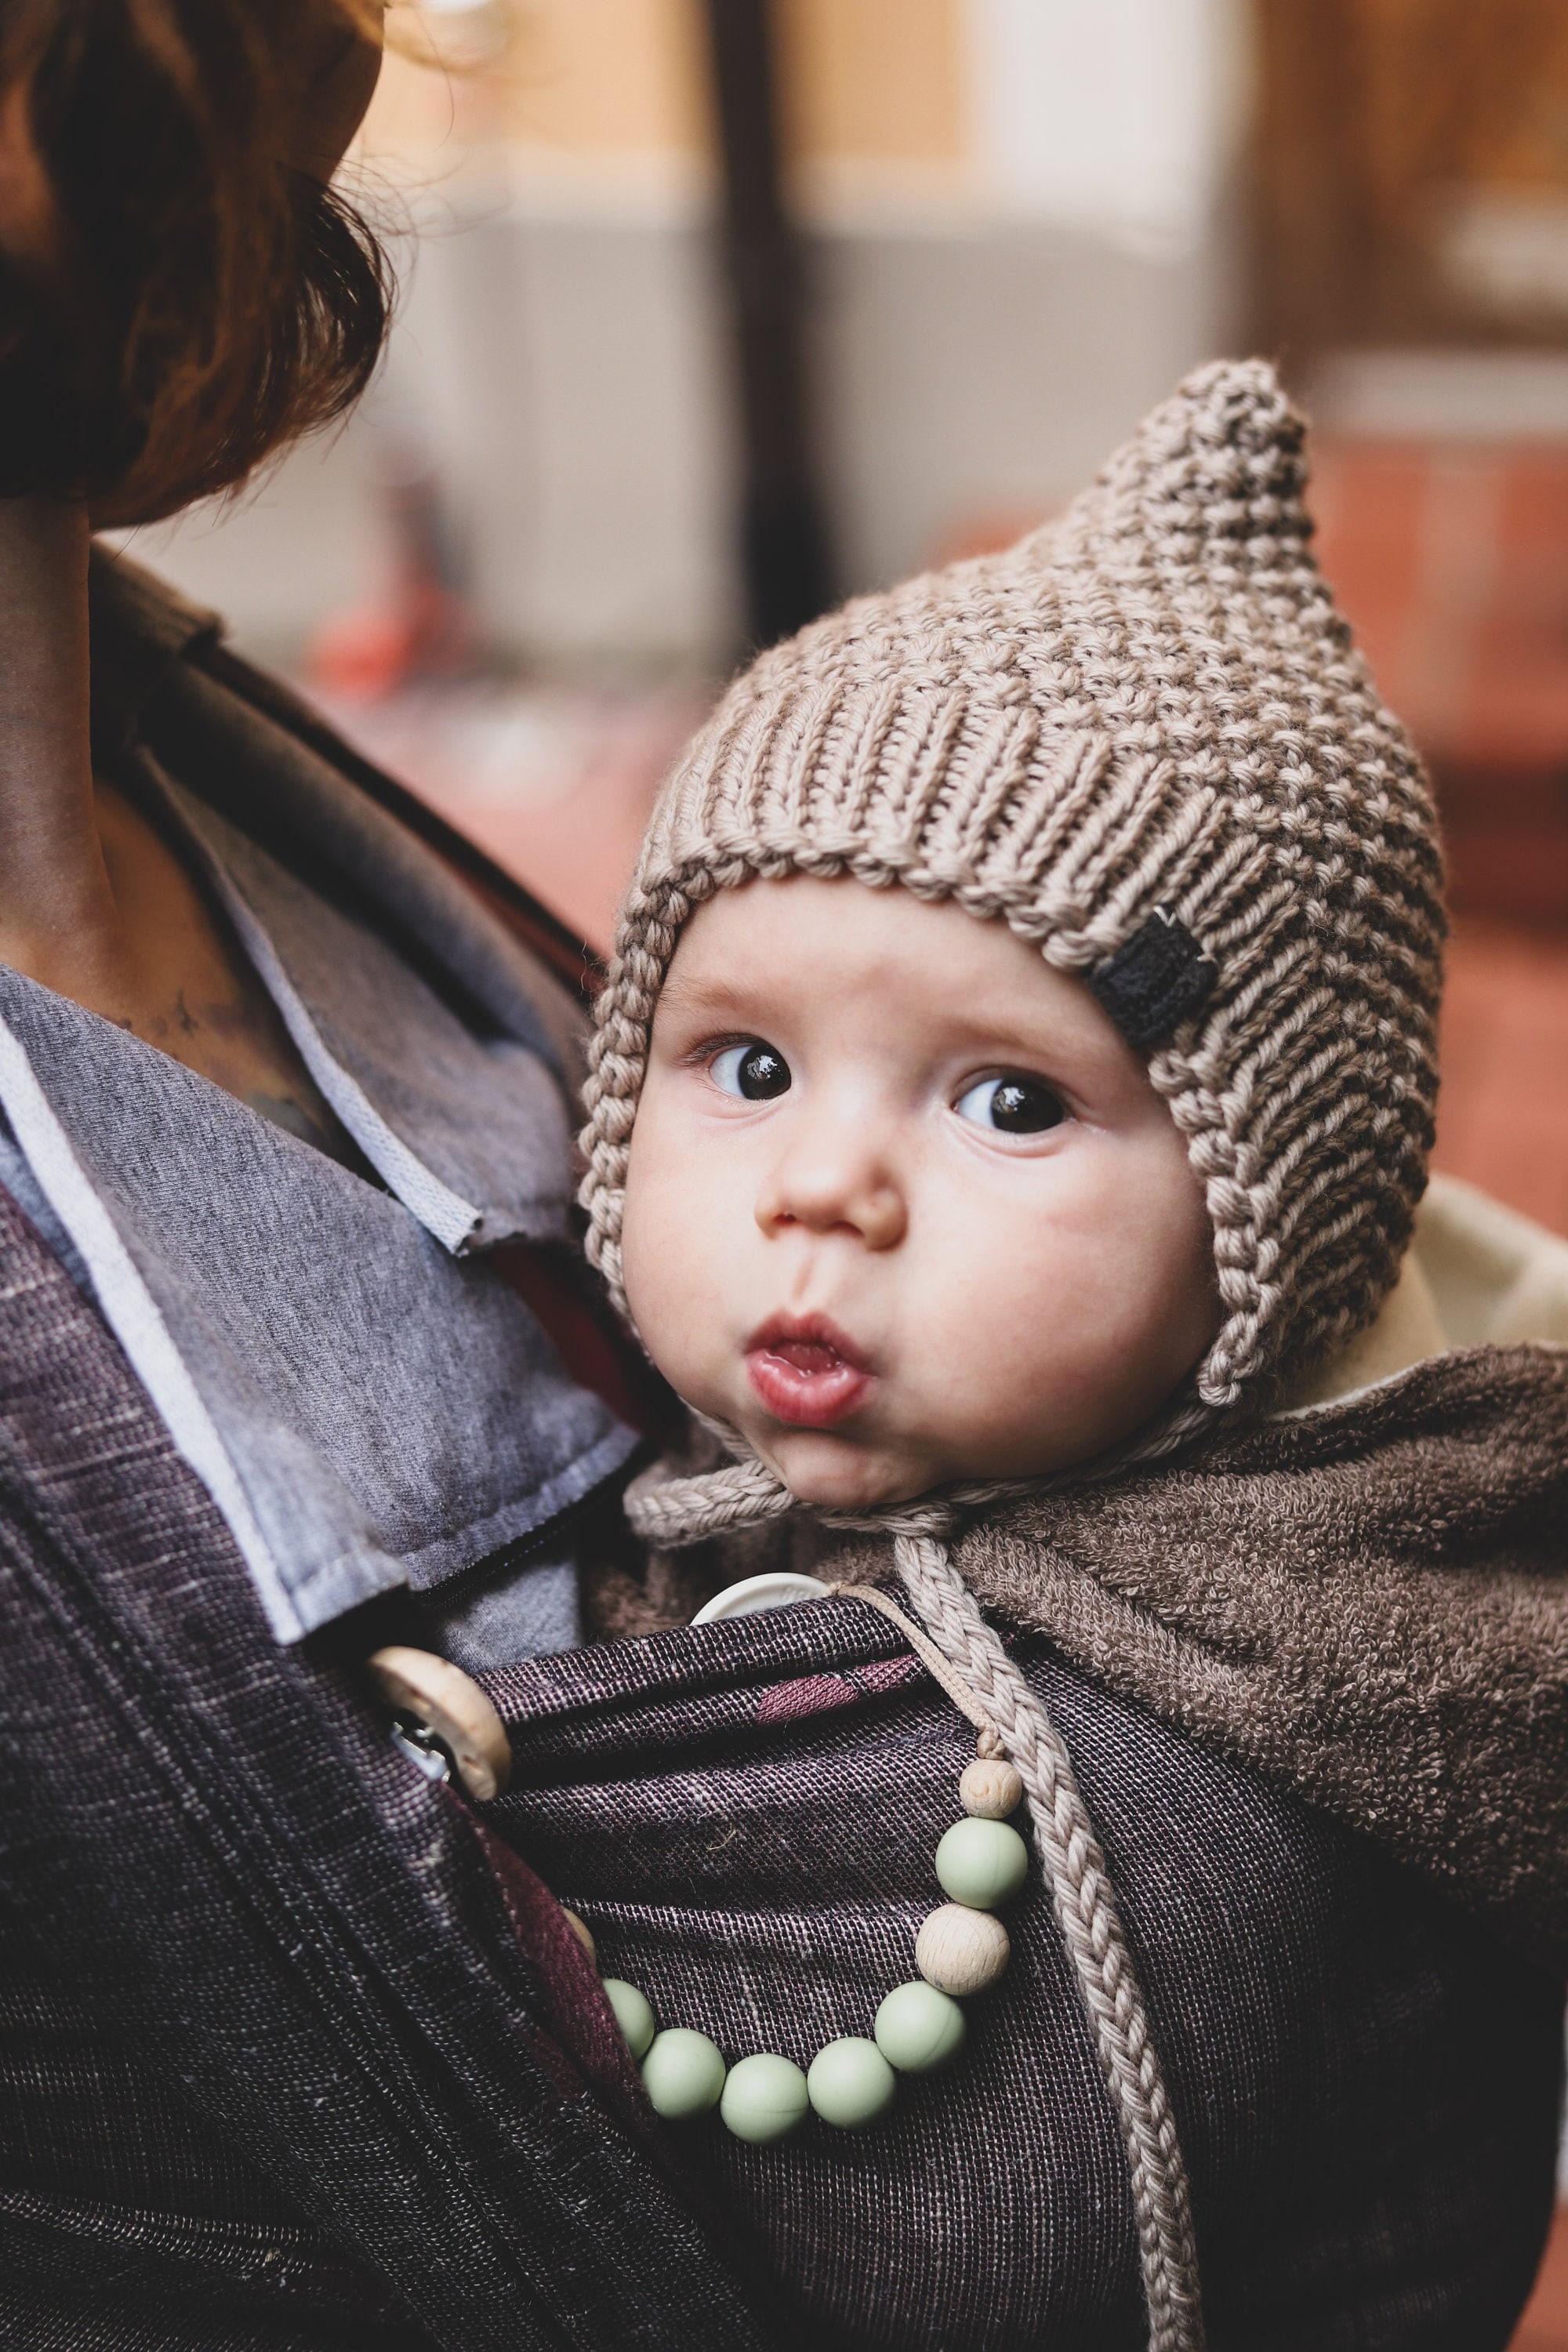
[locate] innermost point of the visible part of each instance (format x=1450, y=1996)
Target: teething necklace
x=445, y=1724
x=961, y=1948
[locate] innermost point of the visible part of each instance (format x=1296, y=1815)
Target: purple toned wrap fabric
x=1365, y=2084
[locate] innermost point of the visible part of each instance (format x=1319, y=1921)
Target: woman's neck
x=95, y=902
x=59, y=921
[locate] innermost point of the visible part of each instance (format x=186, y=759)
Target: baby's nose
x=823, y=1198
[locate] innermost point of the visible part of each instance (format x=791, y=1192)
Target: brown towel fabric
x=1368, y=1602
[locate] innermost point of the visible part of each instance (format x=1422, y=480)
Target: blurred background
x=714, y=310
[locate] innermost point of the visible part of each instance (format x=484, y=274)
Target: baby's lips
x=799, y=1339
x=806, y=1398
x=810, y=1358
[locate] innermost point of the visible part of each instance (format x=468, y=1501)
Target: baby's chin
x=830, y=1473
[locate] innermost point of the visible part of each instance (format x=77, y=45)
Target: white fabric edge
x=133, y=1316
x=1409, y=1329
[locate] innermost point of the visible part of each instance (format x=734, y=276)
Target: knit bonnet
x=1142, y=738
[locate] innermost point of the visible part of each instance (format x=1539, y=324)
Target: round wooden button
x=451, y=1706
x=584, y=1933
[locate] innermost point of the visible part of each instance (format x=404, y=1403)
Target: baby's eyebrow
x=688, y=994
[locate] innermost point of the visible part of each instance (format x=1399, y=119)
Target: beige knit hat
x=1142, y=737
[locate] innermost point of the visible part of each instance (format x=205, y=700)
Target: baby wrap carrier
x=1366, y=2083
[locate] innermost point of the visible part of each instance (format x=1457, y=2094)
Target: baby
x=1025, y=1001
x=1016, y=1070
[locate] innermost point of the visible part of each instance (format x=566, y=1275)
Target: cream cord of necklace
x=987, y=1686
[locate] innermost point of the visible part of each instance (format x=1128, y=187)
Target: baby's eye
x=1012, y=1104
x=753, y=1071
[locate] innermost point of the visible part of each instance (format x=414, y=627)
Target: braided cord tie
x=987, y=1686
x=1085, y=1904
x=670, y=1512
x=940, y=1668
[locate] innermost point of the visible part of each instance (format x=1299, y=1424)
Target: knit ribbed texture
x=1148, y=712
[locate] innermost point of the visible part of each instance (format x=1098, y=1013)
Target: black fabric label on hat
x=1154, y=980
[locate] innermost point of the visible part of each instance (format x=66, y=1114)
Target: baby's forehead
x=829, y=949
x=785, y=931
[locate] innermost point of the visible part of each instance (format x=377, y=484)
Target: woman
x=284, y=1139
x=294, y=2051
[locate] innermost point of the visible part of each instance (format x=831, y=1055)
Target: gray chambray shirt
x=366, y=1399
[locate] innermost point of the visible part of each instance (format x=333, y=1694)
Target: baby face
x=902, y=1205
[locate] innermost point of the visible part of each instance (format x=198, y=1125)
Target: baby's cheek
x=669, y=1270
x=652, y=1261
x=1040, y=1322
x=985, y=1334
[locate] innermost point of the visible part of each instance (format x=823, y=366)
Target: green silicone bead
x=764, y=2098
x=633, y=2015
x=683, y=2074
x=982, y=1863
x=919, y=2028
x=850, y=2083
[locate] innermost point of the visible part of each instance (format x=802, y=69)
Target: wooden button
x=584, y=1933
x=454, y=1709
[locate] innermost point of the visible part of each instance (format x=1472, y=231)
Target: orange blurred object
x=1451, y=561
x=1502, y=1113
x=371, y=650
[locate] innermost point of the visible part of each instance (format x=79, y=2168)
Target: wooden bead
x=584, y=1933
x=962, y=1951
x=452, y=1706
x=991, y=1788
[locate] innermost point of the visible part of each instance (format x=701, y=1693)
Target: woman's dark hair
x=202, y=302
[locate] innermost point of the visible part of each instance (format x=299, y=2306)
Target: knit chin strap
x=671, y=1513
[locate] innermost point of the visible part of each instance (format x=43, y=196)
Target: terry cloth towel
x=1366, y=1598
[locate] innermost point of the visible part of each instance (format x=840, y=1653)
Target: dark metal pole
x=783, y=540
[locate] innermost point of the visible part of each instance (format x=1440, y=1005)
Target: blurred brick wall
x=1452, y=563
